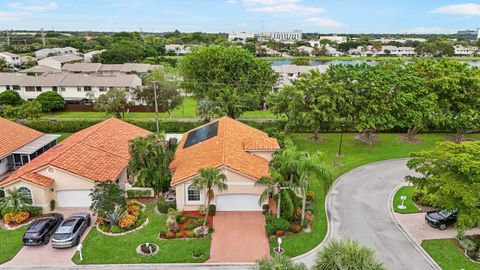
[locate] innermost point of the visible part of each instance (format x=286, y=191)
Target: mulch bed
x=192, y=216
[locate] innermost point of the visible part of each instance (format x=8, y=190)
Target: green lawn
x=448, y=254
x=411, y=207
x=354, y=154
x=63, y=136
x=11, y=243
x=186, y=110
x=101, y=249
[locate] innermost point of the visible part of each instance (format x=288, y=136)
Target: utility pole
x=156, y=105
x=8, y=37
x=43, y=39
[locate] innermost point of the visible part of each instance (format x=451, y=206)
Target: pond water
x=350, y=62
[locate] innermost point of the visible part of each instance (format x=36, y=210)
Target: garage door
x=74, y=198
x=238, y=202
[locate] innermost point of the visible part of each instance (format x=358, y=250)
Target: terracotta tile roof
x=38, y=179
x=260, y=143
x=98, y=153
x=13, y=136
x=225, y=149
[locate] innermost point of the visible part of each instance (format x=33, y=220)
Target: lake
x=350, y=62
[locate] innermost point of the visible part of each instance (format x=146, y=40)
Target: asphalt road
x=359, y=209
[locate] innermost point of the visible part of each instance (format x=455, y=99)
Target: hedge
x=163, y=205
x=135, y=193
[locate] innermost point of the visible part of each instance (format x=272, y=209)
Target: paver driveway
x=238, y=237
x=46, y=255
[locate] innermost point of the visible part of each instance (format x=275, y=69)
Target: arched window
x=27, y=193
x=193, y=194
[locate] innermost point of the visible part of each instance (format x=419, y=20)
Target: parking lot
x=46, y=255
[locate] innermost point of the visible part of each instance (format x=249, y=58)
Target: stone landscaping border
x=11, y=228
x=140, y=252
x=123, y=233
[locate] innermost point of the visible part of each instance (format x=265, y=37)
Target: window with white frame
x=193, y=194
x=24, y=191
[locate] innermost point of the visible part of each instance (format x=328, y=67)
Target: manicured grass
x=101, y=249
x=63, y=136
x=448, y=254
x=10, y=243
x=354, y=154
x=411, y=207
x=186, y=110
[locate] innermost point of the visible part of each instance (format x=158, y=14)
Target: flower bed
x=187, y=222
x=147, y=249
x=133, y=219
x=471, y=247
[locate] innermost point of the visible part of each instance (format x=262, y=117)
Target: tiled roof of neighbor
x=40, y=69
x=39, y=179
x=82, y=67
x=98, y=153
x=13, y=136
x=63, y=58
x=226, y=149
x=69, y=79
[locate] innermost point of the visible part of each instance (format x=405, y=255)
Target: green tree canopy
x=450, y=175
x=28, y=110
x=51, y=101
x=230, y=76
x=114, y=101
x=106, y=197
x=10, y=97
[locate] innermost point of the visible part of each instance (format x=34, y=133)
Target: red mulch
x=186, y=214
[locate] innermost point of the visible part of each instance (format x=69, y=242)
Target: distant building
x=285, y=37
x=399, y=40
x=10, y=59
x=334, y=38
x=469, y=34
x=57, y=62
x=465, y=51
x=43, y=53
x=177, y=49
x=289, y=73
x=87, y=57
x=240, y=37
x=368, y=51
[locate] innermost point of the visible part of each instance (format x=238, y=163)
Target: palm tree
x=208, y=179
x=206, y=109
x=279, y=262
x=346, y=255
x=149, y=160
x=273, y=186
x=308, y=167
x=15, y=201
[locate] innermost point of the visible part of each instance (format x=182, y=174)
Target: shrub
x=8, y=218
x=163, y=206
x=10, y=97
x=35, y=211
x=100, y=221
x=197, y=253
x=423, y=197
x=181, y=220
x=190, y=226
x=132, y=202
x=276, y=224
x=309, y=207
x=178, y=235
x=51, y=100
x=191, y=234
x=310, y=195
x=127, y=221
x=21, y=217
x=295, y=228
x=115, y=229
x=169, y=235
x=133, y=210
x=212, y=209
x=468, y=244
x=135, y=193
x=53, y=205
x=202, y=210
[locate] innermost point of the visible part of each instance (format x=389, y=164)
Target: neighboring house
x=465, y=51
x=39, y=70
x=285, y=37
x=384, y=51
x=242, y=153
x=57, y=62
x=74, y=88
x=87, y=57
x=264, y=50
x=67, y=172
x=334, y=38
x=177, y=49
x=93, y=69
x=400, y=40
x=240, y=37
x=288, y=73
x=306, y=49
x=43, y=53
x=11, y=59
x=20, y=144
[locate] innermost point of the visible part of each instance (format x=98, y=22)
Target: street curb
x=418, y=247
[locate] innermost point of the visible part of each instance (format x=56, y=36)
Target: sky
x=322, y=16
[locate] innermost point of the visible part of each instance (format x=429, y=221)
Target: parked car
x=71, y=230
x=41, y=230
x=442, y=218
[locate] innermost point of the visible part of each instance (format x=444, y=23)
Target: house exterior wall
x=41, y=195
x=237, y=184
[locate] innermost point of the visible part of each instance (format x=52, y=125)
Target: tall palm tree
x=273, y=186
x=311, y=166
x=208, y=179
x=346, y=255
x=15, y=201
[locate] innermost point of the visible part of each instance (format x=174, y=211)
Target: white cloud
x=281, y=6
x=469, y=9
x=324, y=22
x=425, y=30
x=33, y=6
x=231, y=2
x=10, y=16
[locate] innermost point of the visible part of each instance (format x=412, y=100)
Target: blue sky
x=323, y=16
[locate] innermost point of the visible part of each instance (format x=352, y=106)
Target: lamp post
x=339, y=154
x=79, y=249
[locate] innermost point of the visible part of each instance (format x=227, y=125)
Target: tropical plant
x=207, y=180
x=107, y=197
x=114, y=101
x=113, y=217
x=273, y=186
x=206, y=109
x=346, y=255
x=279, y=262
x=15, y=201
x=149, y=160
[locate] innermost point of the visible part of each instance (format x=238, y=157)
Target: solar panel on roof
x=201, y=134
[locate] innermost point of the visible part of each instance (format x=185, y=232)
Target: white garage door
x=238, y=202
x=74, y=198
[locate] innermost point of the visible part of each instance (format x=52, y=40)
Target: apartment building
x=465, y=51
x=367, y=51
x=289, y=73
x=57, y=62
x=44, y=53
x=285, y=37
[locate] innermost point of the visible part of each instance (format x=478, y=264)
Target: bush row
x=139, y=193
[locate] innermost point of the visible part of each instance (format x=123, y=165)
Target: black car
x=442, y=218
x=70, y=231
x=41, y=230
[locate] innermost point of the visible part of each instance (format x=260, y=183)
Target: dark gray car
x=68, y=234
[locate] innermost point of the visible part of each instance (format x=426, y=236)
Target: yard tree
x=436, y=48
x=114, y=101
x=149, y=160
x=273, y=186
x=209, y=179
x=450, y=175
x=230, y=76
x=51, y=100
x=206, y=109
x=155, y=47
x=28, y=110
x=346, y=254
x=106, y=198
x=312, y=102
x=10, y=97
x=123, y=51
